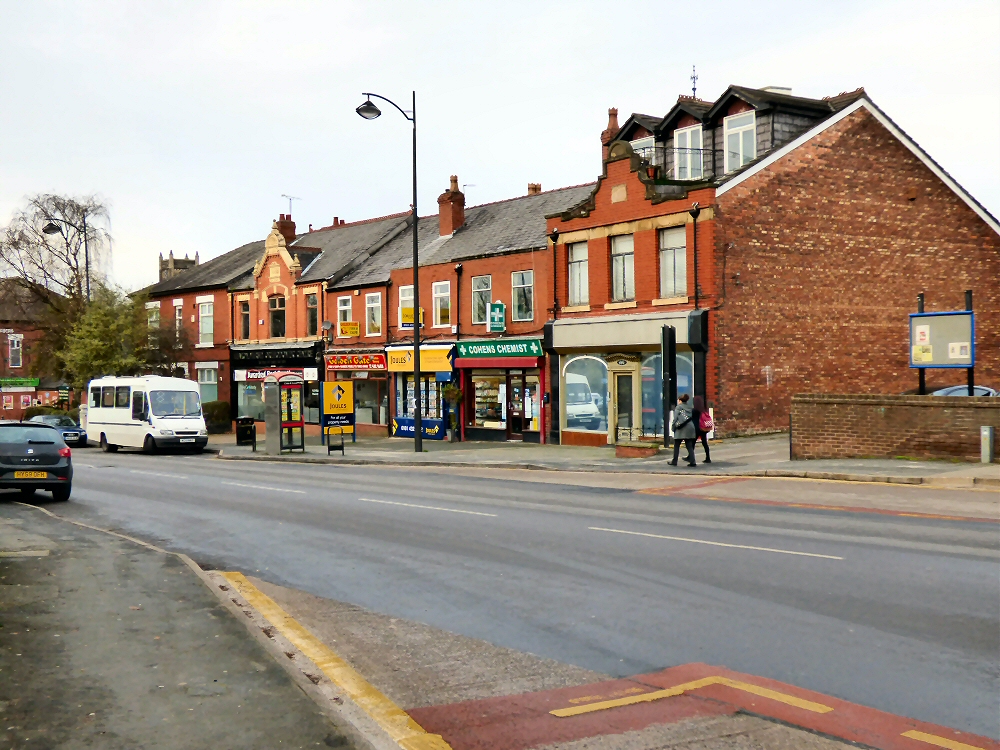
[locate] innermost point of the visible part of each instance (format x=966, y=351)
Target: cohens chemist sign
x=500, y=348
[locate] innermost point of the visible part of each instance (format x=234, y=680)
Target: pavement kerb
x=346, y=715
x=942, y=481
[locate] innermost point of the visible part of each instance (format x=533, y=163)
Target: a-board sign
x=338, y=404
x=943, y=339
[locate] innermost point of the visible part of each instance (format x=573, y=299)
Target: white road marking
x=262, y=487
x=427, y=507
x=717, y=544
x=158, y=474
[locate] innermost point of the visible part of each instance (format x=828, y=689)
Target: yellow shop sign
x=437, y=359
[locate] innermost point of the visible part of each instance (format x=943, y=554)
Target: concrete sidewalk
x=108, y=643
x=751, y=456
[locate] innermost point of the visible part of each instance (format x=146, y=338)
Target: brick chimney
x=451, y=208
x=608, y=135
x=534, y=188
x=286, y=226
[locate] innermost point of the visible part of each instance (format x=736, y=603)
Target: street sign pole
x=972, y=370
x=922, y=383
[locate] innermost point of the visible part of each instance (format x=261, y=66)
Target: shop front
x=502, y=382
x=435, y=375
x=611, y=376
x=252, y=363
x=368, y=370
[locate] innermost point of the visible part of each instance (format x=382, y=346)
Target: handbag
x=705, y=423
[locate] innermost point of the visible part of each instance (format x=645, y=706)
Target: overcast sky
x=190, y=119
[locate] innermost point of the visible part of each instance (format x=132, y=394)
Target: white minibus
x=147, y=412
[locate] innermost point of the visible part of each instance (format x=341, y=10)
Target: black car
x=33, y=456
x=71, y=432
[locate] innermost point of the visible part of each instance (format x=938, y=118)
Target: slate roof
x=490, y=229
x=347, y=243
x=18, y=304
x=764, y=100
x=649, y=122
x=220, y=271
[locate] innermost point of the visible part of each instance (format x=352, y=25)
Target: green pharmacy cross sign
x=500, y=348
x=496, y=313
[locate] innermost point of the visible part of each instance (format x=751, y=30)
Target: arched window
x=276, y=308
x=585, y=394
x=652, y=394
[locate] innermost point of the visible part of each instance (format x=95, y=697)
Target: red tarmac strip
x=520, y=722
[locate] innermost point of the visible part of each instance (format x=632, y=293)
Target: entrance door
x=515, y=406
x=624, y=407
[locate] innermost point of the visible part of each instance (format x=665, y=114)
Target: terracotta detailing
x=608, y=135
x=451, y=208
x=534, y=188
x=286, y=226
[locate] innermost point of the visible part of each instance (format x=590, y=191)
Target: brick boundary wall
x=870, y=426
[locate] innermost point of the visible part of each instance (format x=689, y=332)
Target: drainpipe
x=695, y=210
x=458, y=301
x=555, y=274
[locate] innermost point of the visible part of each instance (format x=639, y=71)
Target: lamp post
x=53, y=228
x=369, y=111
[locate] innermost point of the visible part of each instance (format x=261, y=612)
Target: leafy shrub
x=217, y=417
x=34, y=411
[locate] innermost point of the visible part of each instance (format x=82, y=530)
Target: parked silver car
x=963, y=390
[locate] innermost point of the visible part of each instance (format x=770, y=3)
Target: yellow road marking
x=791, y=700
x=26, y=553
x=933, y=739
x=427, y=507
x=717, y=544
x=394, y=720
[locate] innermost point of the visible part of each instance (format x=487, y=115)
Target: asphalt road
x=901, y=614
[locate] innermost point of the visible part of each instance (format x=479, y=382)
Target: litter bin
x=246, y=431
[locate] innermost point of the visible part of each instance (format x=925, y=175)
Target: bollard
x=986, y=444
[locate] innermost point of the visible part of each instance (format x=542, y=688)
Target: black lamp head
x=368, y=110
x=52, y=228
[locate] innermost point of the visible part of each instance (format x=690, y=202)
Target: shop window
x=312, y=315
x=14, y=350
x=622, y=268
x=585, y=394
x=523, y=291
x=652, y=394
x=441, y=291
x=276, y=307
x=406, y=303
x=249, y=401
x=685, y=373
x=206, y=324
x=579, y=277
x=673, y=262
x=208, y=383
x=373, y=314
x=741, y=140
x=371, y=401
x=431, y=405
x=245, y=319
x=482, y=288
x=489, y=400
x=687, y=153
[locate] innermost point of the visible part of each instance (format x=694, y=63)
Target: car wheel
x=148, y=444
x=106, y=446
x=61, y=494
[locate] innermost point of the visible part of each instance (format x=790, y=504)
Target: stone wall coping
x=961, y=402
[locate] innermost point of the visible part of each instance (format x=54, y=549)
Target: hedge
x=34, y=411
x=217, y=418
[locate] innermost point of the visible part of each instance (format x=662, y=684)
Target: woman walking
x=702, y=425
x=684, y=429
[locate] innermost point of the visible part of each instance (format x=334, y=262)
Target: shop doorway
x=625, y=423
x=515, y=407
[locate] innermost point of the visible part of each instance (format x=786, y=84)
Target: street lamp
x=53, y=228
x=370, y=111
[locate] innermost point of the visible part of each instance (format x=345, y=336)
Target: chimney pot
x=286, y=226
x=608, y=135
x=451, y=208
x=534, y=188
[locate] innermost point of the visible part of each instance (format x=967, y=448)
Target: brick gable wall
x=820, y=258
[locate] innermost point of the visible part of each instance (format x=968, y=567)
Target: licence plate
x=31, y=475
x=187, y=440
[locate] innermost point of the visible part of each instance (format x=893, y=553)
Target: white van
x=145, y=412
x=581, y=406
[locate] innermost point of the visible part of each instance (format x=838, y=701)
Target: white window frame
x=645, y=148
x=578, y=274
x=15, y=343
x=441, y=294
x=685, y=162
x=628, y=266
x=373, y=301
x=406, y=291
x=670, y=252
x=482, y=290
x=153, y=314
x=178, y=316
x=343, y=309
x=739, y=130
x=513, y=295
x=206, y=335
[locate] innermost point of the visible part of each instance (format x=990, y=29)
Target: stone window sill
x=575, y=308
x=671, y=301
x=620, y=305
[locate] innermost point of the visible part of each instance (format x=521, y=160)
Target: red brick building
x=785, y=239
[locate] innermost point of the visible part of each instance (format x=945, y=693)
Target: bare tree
x=56, y=248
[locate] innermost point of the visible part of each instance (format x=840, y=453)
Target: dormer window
x=645, y=148
x=741, y=140
x=688, y=153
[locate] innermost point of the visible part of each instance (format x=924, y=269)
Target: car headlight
x=166, y=432
x=203, y=433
